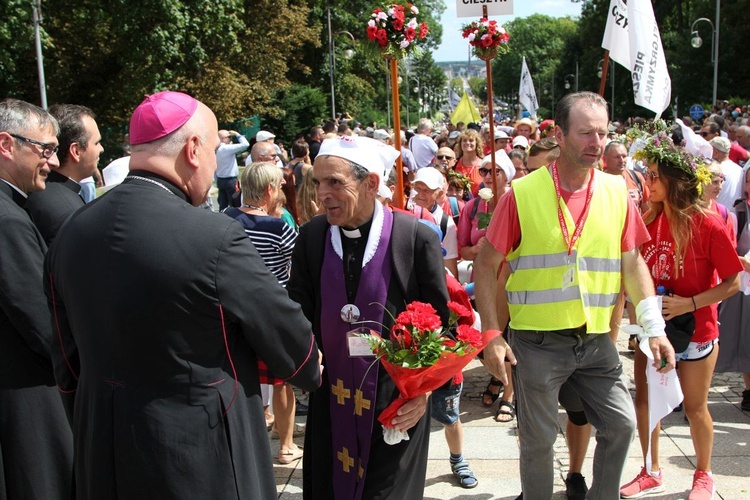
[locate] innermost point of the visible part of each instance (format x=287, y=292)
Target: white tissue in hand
x=391, y=435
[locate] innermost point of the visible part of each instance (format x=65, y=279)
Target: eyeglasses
x=272, y=155
x=444, y=157
x=704, y=134
x=652, y=175
x=48, y=148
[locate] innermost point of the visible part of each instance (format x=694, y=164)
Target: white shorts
x=696, y=350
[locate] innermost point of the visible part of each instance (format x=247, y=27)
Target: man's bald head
x=263, y=151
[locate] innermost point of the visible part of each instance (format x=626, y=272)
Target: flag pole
x=603, y=82
x=398, y=199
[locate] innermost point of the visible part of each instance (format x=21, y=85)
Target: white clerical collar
x=372, y=239
x=15, y=188
x=352, y=233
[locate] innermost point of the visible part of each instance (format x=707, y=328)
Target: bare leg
x=695, y=378
x=454, y=436
x=283, y=409
x=508, y=395
x=577, y=438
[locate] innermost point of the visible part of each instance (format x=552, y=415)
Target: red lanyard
x=561, y=218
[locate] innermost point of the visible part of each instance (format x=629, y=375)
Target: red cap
x=159, y=115
x=546, y=123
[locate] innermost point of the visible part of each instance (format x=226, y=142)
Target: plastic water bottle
x=661, y=290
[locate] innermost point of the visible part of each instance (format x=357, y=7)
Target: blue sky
x=454, y=47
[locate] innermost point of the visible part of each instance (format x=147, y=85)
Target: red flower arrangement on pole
x=420, y=356
x=396, y=29
x=487, y=37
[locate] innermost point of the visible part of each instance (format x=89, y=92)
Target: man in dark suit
x=158, y=357
x=350, y=265
x=79, y=150
x=36, y=458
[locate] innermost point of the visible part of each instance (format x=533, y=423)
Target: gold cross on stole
x=339, y=391
x=360, y=402
x=346, y=460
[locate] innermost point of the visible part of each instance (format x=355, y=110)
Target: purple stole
x=353, y=407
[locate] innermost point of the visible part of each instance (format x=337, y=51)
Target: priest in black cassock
x=78, y=153
x=347, y=267
x=36, y=445
x=157, y=357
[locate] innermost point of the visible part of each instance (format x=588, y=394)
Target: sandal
x=466, y=477
x=489, y=394
x=288, y=456
x=511, y=411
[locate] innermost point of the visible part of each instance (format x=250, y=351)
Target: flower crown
x=660, y=148
x=465, y=182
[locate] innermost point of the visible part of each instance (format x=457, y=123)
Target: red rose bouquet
x=487, y=38
x=396, y=29
x=420, y=357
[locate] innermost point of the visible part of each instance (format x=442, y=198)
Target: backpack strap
x=723, y=211
x=443, y=224
x=474, y=209
x=636, y=179
x=741, y=208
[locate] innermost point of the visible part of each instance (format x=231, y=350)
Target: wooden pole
x=603, y=82
x=491, y=119
x=398, y=199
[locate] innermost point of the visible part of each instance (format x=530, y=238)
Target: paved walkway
x=492, y=448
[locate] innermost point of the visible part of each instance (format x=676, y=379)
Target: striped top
x=272, y=237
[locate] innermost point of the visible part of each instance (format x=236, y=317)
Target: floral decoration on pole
x=487, y=37
x=396, y=29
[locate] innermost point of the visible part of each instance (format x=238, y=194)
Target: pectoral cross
x=346, y=460
x=360, y=402
x=340, y=392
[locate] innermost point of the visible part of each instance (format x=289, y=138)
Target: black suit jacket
x=160, y=350
x=35, y=438
x=49, y=209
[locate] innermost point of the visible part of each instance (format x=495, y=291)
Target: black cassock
x=394, y=471
x=36, y=445
x=160, y=346
x=50, y=208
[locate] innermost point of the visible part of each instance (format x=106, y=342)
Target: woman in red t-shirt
x=468, y=151
x=689, y=246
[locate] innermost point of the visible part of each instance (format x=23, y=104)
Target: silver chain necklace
x=152, y=182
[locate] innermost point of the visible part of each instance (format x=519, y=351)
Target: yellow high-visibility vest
x=536, y=298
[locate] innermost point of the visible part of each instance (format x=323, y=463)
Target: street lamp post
x=348, y=53
x=418, y=89
x=550, y=88
x=37, y=15
x=696, y=41
x=569, y=80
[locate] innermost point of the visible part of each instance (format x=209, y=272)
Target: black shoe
x=301, y=409
x=575, y=486
x=745, y=404
x=678, y=408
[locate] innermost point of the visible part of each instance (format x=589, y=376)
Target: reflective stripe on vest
x=535, y=296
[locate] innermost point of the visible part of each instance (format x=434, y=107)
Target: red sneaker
x=703, y=486
x=643, y=485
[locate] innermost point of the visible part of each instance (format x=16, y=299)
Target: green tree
x=478, y=88
x=542, y=40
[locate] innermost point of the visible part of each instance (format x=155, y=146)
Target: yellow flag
x=465, y=111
